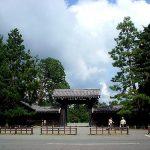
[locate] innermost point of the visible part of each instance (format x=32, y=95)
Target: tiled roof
x=37, y=108
x=45, y=109
x=76, y=93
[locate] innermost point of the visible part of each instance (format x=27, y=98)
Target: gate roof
x=76, y=93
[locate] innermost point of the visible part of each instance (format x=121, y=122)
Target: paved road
x=136, y=140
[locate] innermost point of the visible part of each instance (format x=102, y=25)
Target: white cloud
x=105, y=92
x=80, y=36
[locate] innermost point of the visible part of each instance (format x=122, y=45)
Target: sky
x=79, y=33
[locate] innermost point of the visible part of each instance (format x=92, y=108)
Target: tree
x=124, y=81
x=132, y=82
x=141, y=102
x=3, y=64
x=22, y=67
x=142, y=61
x=51, y=76
x=25, y=78
x=17, y=73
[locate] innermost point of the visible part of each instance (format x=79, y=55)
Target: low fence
x=16, y=130
x=51, y=130
x=108, y=131
x=58, y=130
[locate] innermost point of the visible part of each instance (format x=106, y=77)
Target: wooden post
x=63, y=115
x=52, y=130
x=96, y=129
x=58, y=130
x=127, y=130
x=41, y=130
x=148, y=130
x=70, y=129
x=108, y=130
x=15, y=130
x=31, y=130
x=90, y=114
x=46, y=129
x=76, y=130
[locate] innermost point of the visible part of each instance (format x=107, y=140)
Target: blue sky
x=73, y=2
x=80, y=35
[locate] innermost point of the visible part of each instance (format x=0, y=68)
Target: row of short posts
x=59, y=130
x=103, y=129
x=16, y=130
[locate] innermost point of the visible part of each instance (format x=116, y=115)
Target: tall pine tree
x=124, y=81
x=142, y=61
x=18, y=72
x=141, y=102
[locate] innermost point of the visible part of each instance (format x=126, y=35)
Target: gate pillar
x=63, y=115
x=90, y=105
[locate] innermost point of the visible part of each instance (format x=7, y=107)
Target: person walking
x=122, y=122
x=110, y=123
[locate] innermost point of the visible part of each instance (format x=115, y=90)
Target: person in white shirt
x=122, y=122
x=110, y=122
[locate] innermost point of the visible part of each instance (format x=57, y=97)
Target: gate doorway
x=67, y=97
x=77, y=113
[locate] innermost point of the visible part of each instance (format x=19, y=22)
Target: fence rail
x=109, y=131
x=16, y=130
x=59, y=130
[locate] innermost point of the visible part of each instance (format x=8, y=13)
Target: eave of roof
x=76, y=93
x=42, y=109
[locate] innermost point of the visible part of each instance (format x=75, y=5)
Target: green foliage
x=142, y=62
x=25, y=78
x=78, y=113
x=127, y=108
x=17, y=72
x=51, y=76
x=124, y=81
x=15, y=112
x=113, y=103
x=132, y=82
x=141, y=102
